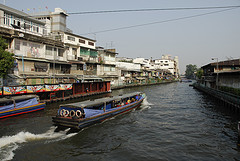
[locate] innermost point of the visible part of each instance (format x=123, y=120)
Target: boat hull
x=23, y=110
x=62, y=122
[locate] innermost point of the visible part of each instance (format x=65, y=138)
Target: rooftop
x=19, y=14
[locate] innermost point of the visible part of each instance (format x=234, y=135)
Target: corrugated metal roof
x=19, y=14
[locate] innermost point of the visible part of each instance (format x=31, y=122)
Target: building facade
x=47, y=52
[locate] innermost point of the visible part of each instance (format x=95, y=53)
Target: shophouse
x=167, y=64
x=130, y=72
x=80, y=52
x=107, y=65
x=34, y=52
x=222, y=74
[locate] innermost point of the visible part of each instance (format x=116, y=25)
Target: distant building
x=164, y=65
x=168, y=64
x=129, y=71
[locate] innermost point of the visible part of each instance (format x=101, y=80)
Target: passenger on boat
x=129, y=101
x=136, y=97
x=133, y=100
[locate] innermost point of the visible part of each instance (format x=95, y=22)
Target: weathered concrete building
x=223, y=73
x=107, y=65
x=80, y=52
x=33, y=51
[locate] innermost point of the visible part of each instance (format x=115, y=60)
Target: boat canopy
x=100, y=101
x=16, y=98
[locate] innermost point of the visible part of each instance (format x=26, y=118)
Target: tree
x=6, y=59
x=190, y=70
x=199, y=73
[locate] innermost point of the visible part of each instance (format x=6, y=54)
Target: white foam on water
x=8, y=144
x=145, y=104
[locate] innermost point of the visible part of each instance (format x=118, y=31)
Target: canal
x=175, y=122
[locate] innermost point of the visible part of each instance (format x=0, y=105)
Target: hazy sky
x=194, y=40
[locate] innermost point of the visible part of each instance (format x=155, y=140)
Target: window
x=40, y=67
x=91, y=43
x=25, y=43
x=74, y=52
x=84, y=51
x=44, y=32
x=79, y=67
x=48, y=50
x=82, y=41
x=93, y=53
x=106, y=69
x=17, y=44
x=60, y=52
x=71, y=38
x=6, y=19
x=26, y=26
x=113, y=69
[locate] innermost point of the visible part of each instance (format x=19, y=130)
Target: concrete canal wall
x=229, y=100
x=141, y=84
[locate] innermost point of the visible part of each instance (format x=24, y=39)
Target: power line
x=158, y=22
x=153, y=9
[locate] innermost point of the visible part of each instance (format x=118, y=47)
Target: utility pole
x=217, y=72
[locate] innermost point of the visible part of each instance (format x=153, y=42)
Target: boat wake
x=8, y=144
x=145, y=104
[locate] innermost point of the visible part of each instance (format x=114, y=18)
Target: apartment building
x=34, y=52
x=80, y=51
x=107, y=65
x=167, y=64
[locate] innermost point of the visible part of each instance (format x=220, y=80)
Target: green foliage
x=3, y=44
x=6, y=59
x=199, y=73
x=234, y=91
x=190, y=69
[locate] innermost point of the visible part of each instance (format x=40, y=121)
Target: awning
x=77, y=62
x=59, y=62
x=41, y=65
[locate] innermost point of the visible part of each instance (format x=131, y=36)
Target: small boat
x=186, y=80
x=17, y=105
x=82, y=114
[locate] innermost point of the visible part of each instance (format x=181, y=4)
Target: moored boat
x=17, y=105
x=82, y=114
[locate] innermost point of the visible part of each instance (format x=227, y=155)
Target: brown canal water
x=175, y=122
